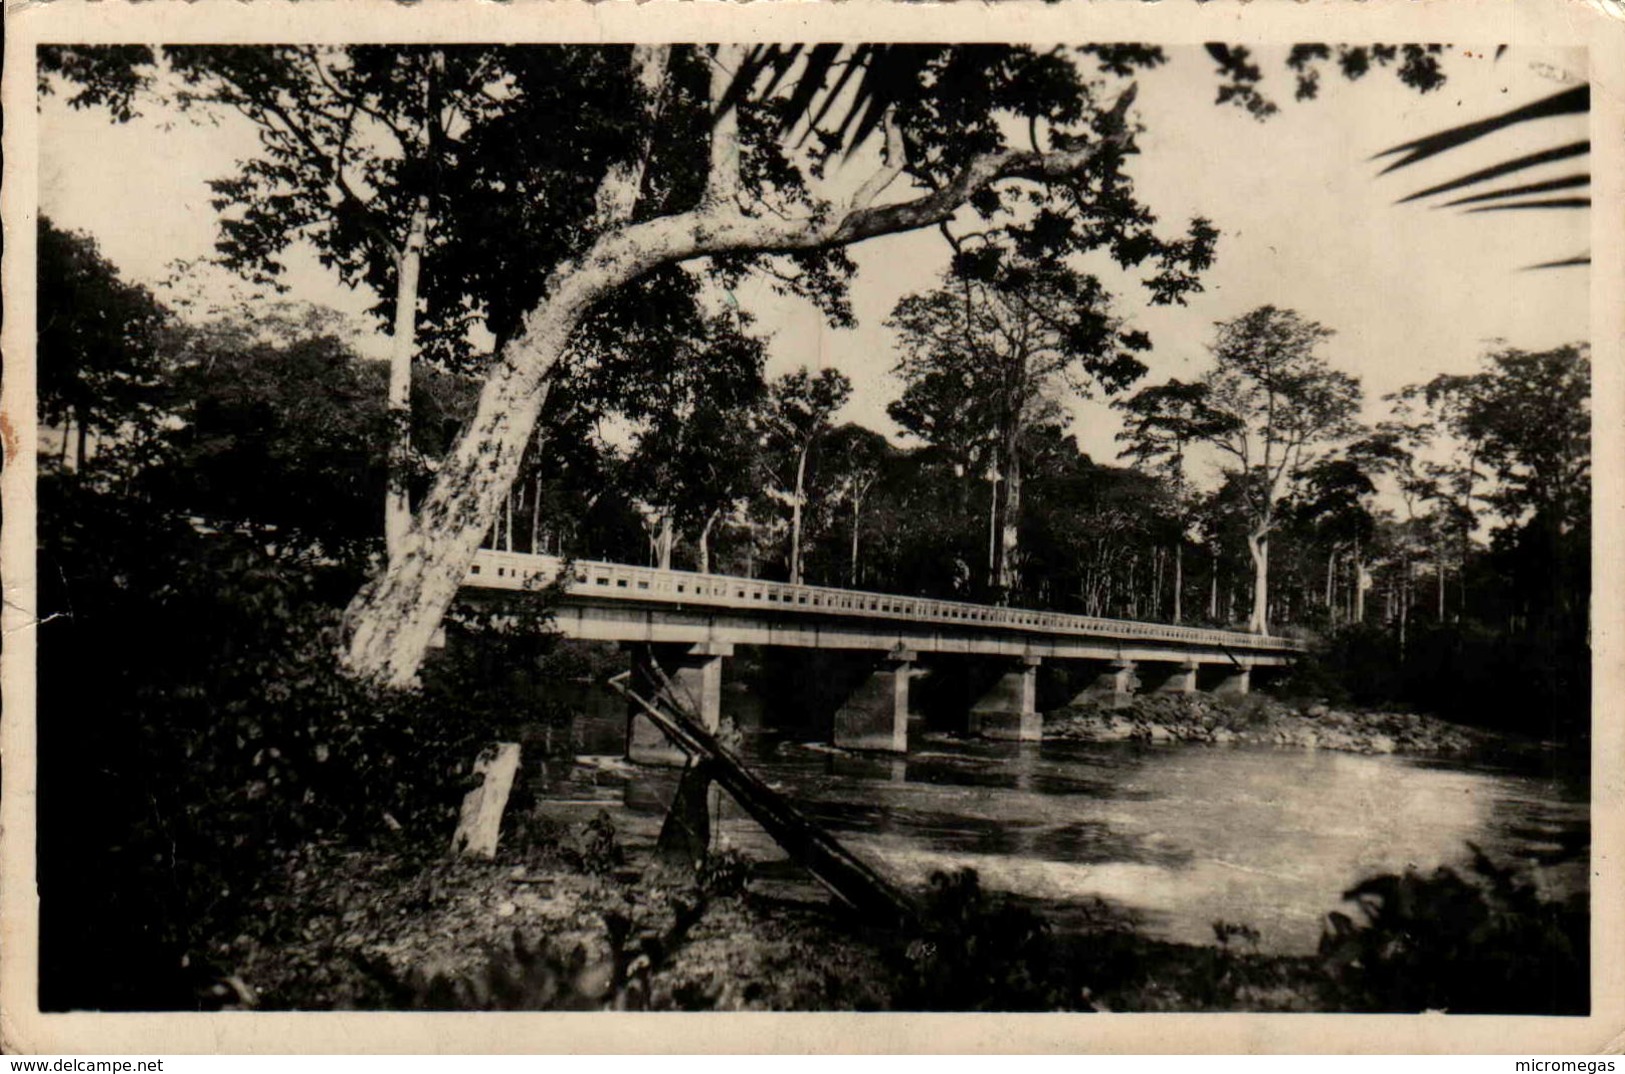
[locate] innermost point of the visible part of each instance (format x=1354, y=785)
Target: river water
x=1174, y=837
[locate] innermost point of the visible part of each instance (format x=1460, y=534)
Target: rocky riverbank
x=1260, y=720
x=374, y=928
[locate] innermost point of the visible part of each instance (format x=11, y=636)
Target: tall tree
x=797, y=415
x=992, y=353
x=857, y=461
x=694, y=453
x=98, y=354
x=1280, y=402
x=1161, y=423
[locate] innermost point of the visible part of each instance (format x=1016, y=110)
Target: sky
x=1306, y=222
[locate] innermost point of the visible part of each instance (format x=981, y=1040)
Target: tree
x=695, y=454
x=1527, y=419
x=98, y=353
x=284, y=435
x=987, y=358
x=857, y=458
x=797, y=415
x=1280, y=402
x=732, y=155
x=1161, y=422
x=1334, y=507
x=394, y=162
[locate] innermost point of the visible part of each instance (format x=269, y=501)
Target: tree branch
x=617, y=195
x=894, y=158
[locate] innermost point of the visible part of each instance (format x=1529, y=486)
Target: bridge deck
x=622, y=583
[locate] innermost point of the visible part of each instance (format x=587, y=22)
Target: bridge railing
x=620, y=581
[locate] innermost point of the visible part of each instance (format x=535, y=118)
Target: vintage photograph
x=1087, y=526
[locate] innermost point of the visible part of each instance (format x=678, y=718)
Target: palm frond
x=1567, y=102
x=1546, y=203
x=1495, y=171
x=1565, y=183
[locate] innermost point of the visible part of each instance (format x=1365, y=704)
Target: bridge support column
x=695, y=672
x=1236, y=682
x=1010, y=709
x=1180, y=680
x=1113, y=688
x=875, y=716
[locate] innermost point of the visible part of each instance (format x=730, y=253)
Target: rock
x=1316, y=711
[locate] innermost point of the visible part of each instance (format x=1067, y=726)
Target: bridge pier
x=1180, y=679
x=1009, y=709
x=875, y=715
x=1113, y=688
x=695, y=672
x=1234, y=681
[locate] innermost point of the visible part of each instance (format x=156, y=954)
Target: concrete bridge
x=687, y=625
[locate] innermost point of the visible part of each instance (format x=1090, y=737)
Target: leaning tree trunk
x=390, y=623
x=1258, y=546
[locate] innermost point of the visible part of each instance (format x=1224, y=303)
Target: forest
x=231, y=494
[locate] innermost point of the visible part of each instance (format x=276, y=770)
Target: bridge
x=687, y=624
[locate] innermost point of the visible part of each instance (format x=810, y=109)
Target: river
x=1174, y=837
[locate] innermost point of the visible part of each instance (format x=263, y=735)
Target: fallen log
x=848, y=877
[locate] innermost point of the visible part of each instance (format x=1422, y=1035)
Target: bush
x=973, y=953
x=1482, y=944
x=194, y=731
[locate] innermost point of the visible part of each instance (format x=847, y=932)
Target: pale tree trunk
x=795, y=515
x=1258, y=546
x=1179, y=580
x=1359, y=587
x=705, y=542
x=665, y=541
x=1331, y=586
x=1404, y=607
x=402, y=348
x=1213, y=586
x=536, y=518
x=857, y=517
x=1009, y=574
x=391, y=622
x=1438, y=561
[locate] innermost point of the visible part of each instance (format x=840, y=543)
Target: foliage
x=974, y=953
x=202, y=559
x=1480, y=944
x=98, y=351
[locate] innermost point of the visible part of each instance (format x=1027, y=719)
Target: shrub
x=1484, y=943
x=194, y=731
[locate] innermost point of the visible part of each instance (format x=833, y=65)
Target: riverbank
x=386, y=929
x=1260, y=720
x=563, y=919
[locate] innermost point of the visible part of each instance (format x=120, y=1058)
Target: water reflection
x=1180, y=835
